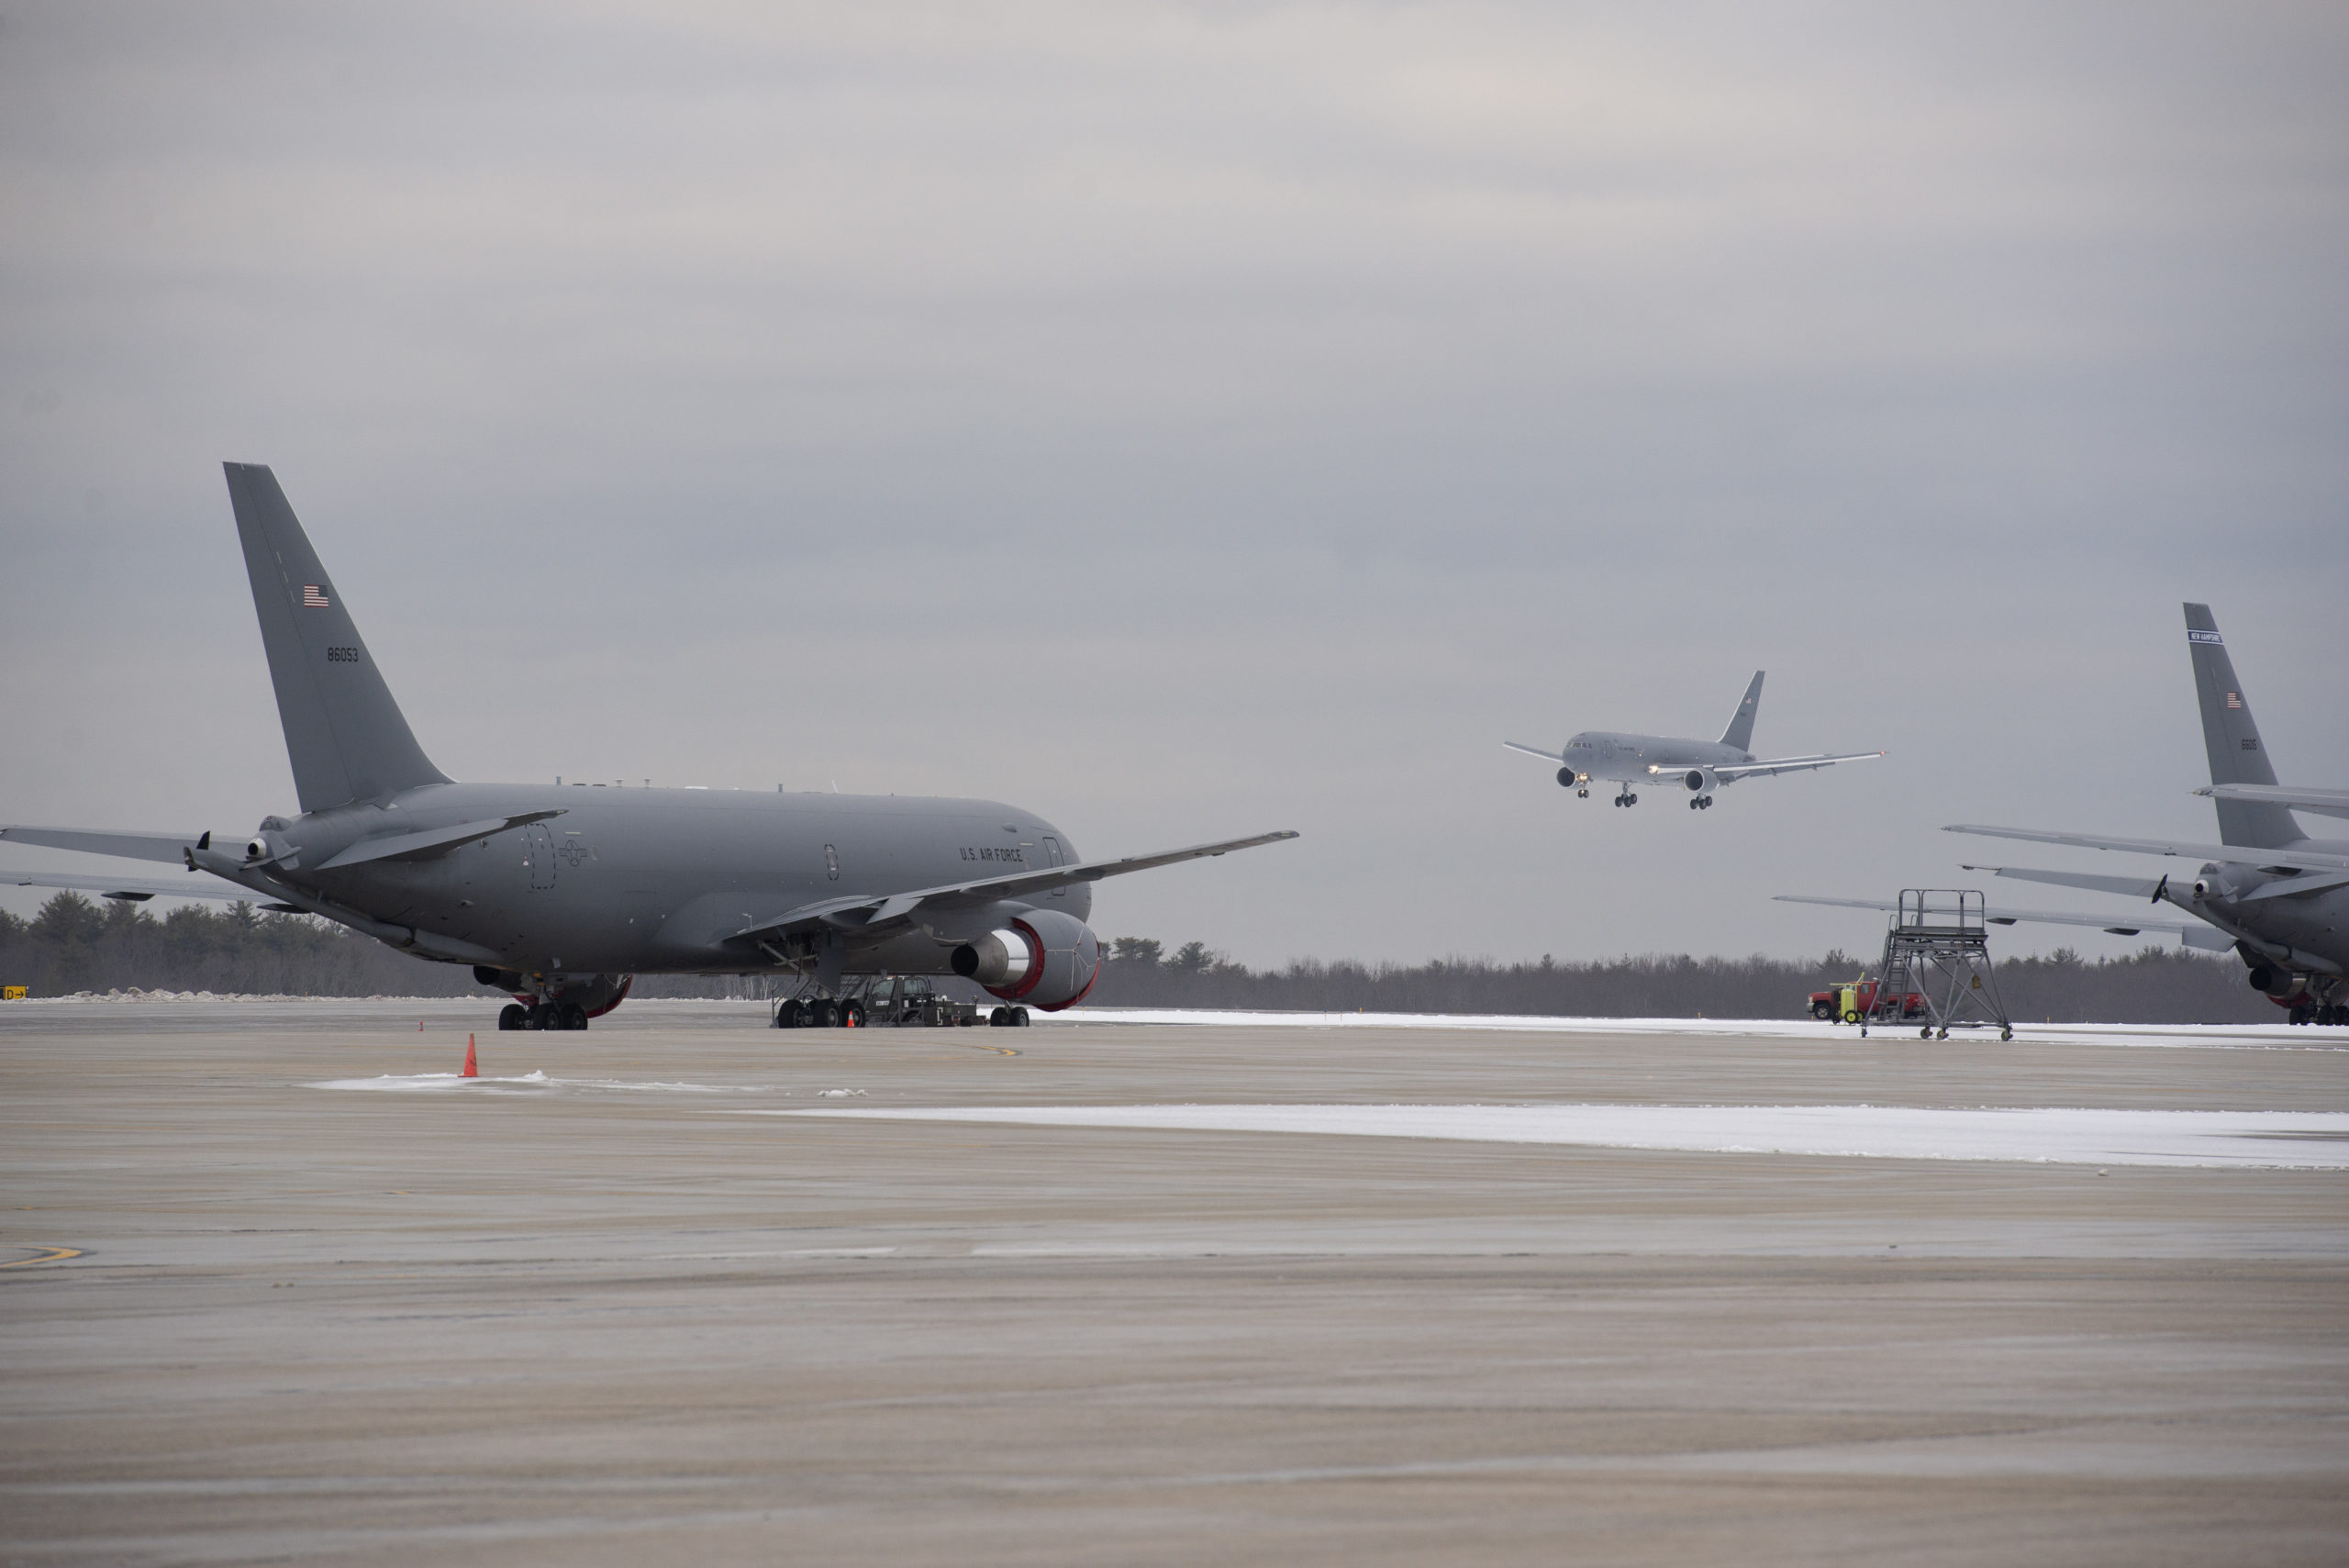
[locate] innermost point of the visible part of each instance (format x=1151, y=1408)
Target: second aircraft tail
x=2229, y=734
x=1740, y=732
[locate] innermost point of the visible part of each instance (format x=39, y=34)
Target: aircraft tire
x=1631, y=800
x=509, y=1017
x=575, y=1016
x=822, y=1013
x=786, y=1014
x=1019, y=1018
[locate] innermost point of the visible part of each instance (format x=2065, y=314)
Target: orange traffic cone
x=472, y=1068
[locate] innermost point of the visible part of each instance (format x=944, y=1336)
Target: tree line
x=74, y=944
x=2155, y=985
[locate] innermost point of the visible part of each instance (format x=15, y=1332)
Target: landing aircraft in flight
x=560, y=896
x=1699, y=767
x=2280, y=897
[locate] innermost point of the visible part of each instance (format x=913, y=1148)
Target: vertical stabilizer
x=2237, y=754
x=1740, y=732
x=343, y=732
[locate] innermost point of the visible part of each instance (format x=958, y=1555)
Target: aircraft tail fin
x=1740, y=732
x=344, y=734
x=2229, y=734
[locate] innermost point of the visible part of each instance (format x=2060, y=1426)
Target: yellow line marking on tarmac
x=48, y=1255
x=975, y=1045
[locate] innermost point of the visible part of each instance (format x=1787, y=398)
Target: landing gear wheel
x=574, y=1017
x=1694, y=804
x=1631, y=800
x=510, y=1017
x=1583, y=794
x=1019, y=1018
x=822, y=1013
x=853, y=1016
x=999, y=1018
x=786, y=1014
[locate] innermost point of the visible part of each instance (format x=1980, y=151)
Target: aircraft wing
x=1535, y=752
x=2328, y=802
x=2193, y=933
x=2238, y=854
x=1790, y=765
x=133, y=892
x=172, y=847
x=864, y=913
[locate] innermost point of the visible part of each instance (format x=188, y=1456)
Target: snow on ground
x=2318, y=1140
x=1802, y=1029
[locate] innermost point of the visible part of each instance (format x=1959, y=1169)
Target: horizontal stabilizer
x=429, y=842
x=134, y=892
x=2296, y=886
x=2142, y=887
x=170, y=847
x=2326, y=802
x=2239, y=854
x=865, y=912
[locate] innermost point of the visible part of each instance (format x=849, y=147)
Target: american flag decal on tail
x=313, y=596
x=2234, y=699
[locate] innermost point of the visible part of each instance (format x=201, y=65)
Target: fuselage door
x=538, y=852
x=1052, y=857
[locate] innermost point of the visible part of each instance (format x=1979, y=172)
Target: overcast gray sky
x=1196, y=419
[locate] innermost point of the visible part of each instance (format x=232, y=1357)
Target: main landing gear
x=1702, y=803
x=1627, y=798
x=542, y=1016
x=819, y=1012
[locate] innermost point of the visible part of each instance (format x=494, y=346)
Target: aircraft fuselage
x=1619, y=758
x=657, y=881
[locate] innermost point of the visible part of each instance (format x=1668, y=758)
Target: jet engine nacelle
x=1702, y=780
x=1041, y=957
x=595, y=993
x=2280, y=986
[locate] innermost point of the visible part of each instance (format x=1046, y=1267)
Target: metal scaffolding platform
x=1937, y=946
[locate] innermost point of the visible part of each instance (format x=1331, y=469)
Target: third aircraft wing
x=2239, y=854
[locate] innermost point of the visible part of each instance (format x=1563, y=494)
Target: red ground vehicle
x=1850, y=1004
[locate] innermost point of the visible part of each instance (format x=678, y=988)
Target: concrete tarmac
x=616, y=1314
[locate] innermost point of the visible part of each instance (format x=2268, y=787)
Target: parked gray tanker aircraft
x=560, y=896
x=1698, y=766
x=2280, y=897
